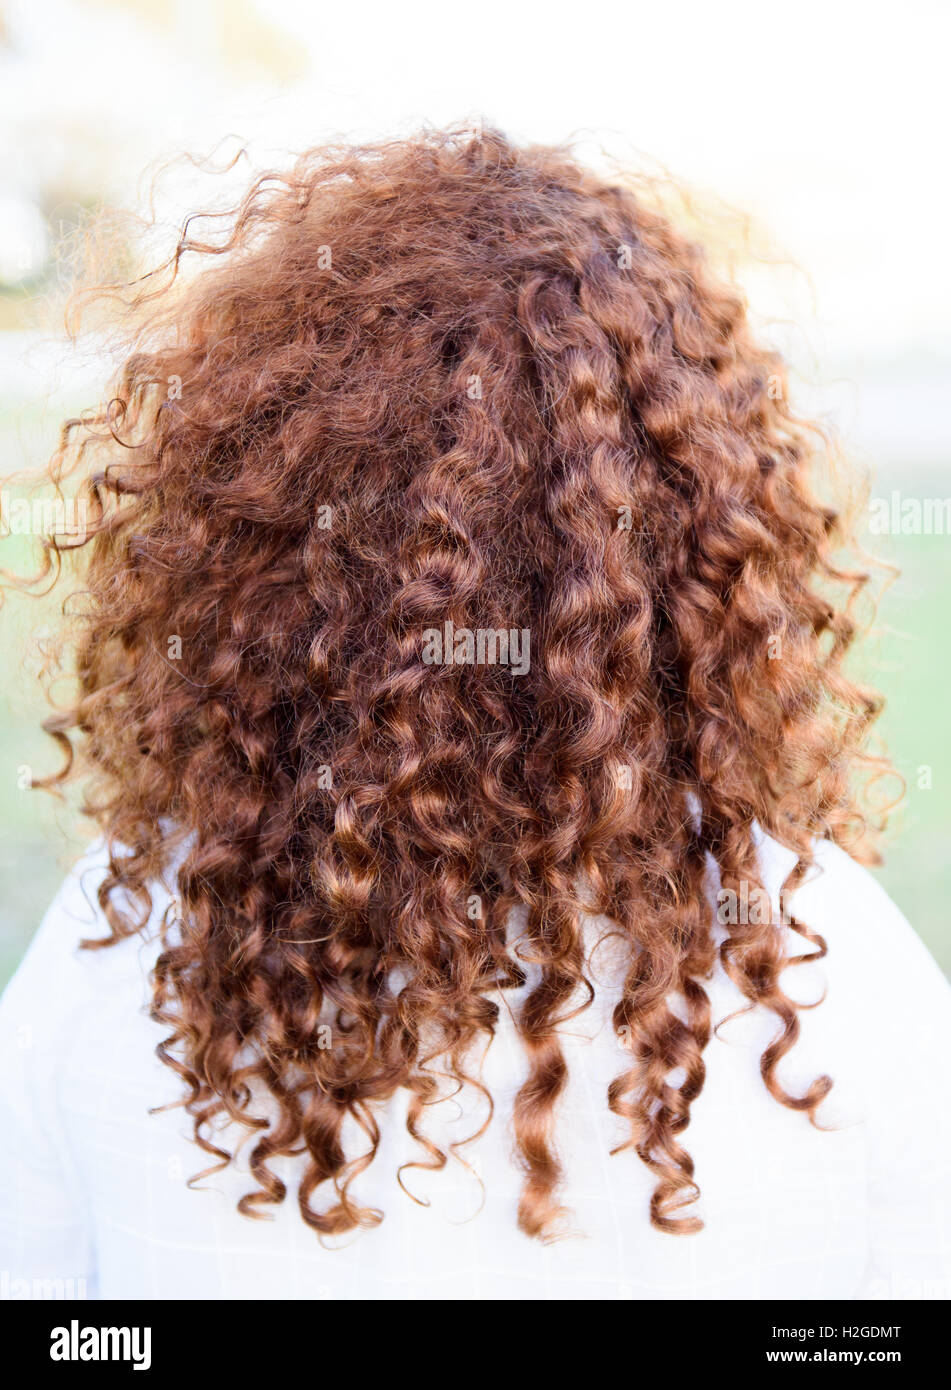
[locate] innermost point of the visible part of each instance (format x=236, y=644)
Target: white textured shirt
x=94, y=1202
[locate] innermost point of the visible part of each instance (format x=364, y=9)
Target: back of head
x=470, y=566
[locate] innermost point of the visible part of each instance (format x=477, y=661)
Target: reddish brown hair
x=448, y=379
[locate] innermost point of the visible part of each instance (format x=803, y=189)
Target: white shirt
x=93, y=1200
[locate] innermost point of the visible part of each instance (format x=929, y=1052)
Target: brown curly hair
x=448, y=380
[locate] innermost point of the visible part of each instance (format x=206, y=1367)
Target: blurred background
x=812, y=140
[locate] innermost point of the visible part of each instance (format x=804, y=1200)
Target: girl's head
x=452, y=552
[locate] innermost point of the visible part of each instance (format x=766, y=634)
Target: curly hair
x=447, y=385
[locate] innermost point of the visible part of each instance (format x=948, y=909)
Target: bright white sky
x=827, y=121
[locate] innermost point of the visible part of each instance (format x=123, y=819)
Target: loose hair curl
x=450, y=379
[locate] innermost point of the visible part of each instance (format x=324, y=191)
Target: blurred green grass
x=907, y=658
